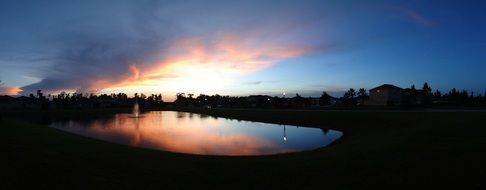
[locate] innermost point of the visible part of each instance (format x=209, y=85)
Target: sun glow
x=193, y=65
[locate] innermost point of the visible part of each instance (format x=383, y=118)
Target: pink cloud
x=180, y=63
x=226, y=54
x=10, y=90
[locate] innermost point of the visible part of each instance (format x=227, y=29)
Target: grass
x=399, y=150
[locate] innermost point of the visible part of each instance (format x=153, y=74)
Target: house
x=386, y=94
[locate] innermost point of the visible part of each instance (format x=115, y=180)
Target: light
x=285, y=134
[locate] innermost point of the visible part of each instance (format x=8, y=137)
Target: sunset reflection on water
x=200, y=134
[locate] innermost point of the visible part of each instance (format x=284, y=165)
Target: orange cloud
x=196, y=64
x=10, y=90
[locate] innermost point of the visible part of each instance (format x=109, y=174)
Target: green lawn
x=392, y=150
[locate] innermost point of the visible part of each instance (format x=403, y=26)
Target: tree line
x=425, y=96
x=80, y=100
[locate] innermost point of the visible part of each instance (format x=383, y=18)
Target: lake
x=192, y=133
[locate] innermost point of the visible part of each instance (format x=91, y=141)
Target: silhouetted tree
x=350, y=94
x=39, y=94
x=181, y=95
x=362, y=93
x=427, y=94
x=298, y=100
x=325, y=99
x=437, y=95
x=413, y=94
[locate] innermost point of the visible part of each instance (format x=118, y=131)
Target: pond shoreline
x=200, y=134
x=378, y=150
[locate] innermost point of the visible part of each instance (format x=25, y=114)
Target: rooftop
x=386, y=86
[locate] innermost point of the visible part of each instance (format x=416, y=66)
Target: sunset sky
x=239, y=47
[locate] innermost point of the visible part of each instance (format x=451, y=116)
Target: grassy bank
x=397, y=150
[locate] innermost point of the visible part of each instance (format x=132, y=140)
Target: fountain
x=136, y=109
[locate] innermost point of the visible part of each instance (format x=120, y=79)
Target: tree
x=437, y=95
x=350, y=94
x=426, y=88
x=39, y=94
x=181, y=98
x=298, y=100
x=325, y=99
x=362, y=93
x=181, y=95
x=427, y=94
x=413, y=94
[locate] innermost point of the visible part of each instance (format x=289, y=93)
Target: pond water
x=201, y=134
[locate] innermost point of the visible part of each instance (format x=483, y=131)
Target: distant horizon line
x=302, y=93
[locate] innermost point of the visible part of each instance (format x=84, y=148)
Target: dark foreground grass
x=380, y=150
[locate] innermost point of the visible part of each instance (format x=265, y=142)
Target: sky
x=239, y=47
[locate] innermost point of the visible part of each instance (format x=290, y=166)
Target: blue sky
x=240, y=47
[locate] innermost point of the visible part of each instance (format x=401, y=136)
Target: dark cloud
x=93, y=57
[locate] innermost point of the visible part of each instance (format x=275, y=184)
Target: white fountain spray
x=136, y=109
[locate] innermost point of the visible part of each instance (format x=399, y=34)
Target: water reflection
x=200, y=134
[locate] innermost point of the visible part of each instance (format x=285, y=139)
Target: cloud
x=417, y=17
x=152, y=50
x=253, y=83
x=9, y=90
x=410, y=15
